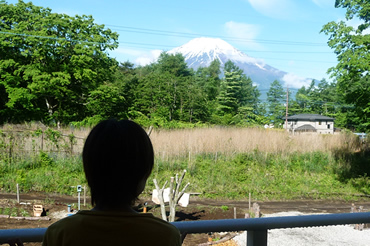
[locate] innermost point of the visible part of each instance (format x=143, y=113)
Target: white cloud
x=148, y=58
x=295, y=81
x=280, y=9
x=125, y=51
x=246, y=32
x=138, y=57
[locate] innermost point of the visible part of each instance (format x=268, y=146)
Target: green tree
x=49, y=63
x=165, y=91
x=303, y=98
x=152, y=101
x=107, y=101
x=230, y=87
x=126, y=78
x=351, y=45
x=208, y=78
x=196, y=106
x=325, y=96
x=173, y=64
x=276, y=97
x=238, y=97
x=175, y=75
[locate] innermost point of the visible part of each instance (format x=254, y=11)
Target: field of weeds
x=221, y=162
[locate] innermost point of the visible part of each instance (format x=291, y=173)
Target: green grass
x=267, y=176
x=14, y=212
x=42, y=173
x=270, y=176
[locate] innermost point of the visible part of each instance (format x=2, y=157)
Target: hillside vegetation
x=57, y=69
x=221, y=162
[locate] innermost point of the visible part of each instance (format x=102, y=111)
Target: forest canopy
x=50, y=63
x=56, y=69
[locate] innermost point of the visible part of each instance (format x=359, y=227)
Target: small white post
x=84, y=195
x=18, y=193
x=79, y=188
x=79, y=205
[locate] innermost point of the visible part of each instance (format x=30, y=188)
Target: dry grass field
x=182, y=143
x=241, y=140
x=221, y=161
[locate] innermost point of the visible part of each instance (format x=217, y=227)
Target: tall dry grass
x=228, y=141
x=211, y=155
x=184, y=143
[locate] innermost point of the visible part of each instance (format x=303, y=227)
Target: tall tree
x=152, y=99
x=176, y=73
x=208, y=78
x=49, y=62
x=228, y=97
x=162, y=92
x=238, y=96
x=196, y=106
x=351, y=45
x=276, y=97
x=325, y=98
x=303, y=98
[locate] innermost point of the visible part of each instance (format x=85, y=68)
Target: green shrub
x=45, y=160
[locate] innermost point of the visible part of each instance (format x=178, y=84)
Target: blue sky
x=283, y=33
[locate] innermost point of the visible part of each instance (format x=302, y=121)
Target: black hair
x=117, y=157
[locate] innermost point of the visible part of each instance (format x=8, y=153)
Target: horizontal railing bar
x=205, y=226
x=26, y=235
x=268, y=223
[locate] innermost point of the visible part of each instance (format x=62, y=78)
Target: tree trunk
x=161, y=200
x=172, y=202
x=174, y=196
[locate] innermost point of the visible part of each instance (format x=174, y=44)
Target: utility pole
x=286, y=108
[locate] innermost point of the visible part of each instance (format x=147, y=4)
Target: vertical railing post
x=257, y=238
x=17, y=193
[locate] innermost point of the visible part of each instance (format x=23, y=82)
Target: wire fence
x=15, y=144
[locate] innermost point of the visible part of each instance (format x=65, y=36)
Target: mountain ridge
x=200, y=52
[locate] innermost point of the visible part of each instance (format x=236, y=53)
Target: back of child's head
x=117, y=157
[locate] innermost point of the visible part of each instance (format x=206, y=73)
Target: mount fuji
x=200, y=52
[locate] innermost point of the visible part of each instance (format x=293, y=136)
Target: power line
x=290, y=52
x=48, y=37
x=140, y=44
x=332, y=104
x=194, y=35
x=245, y=51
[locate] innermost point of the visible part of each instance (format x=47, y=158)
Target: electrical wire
x=195, y=35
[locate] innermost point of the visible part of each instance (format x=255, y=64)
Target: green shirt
x=111, y=228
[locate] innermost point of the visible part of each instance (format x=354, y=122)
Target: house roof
x=306, y=128
x=309, y=117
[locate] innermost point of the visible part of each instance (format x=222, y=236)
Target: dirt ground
x=198, y=209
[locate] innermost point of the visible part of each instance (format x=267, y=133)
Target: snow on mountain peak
x=200, y=52
x=205, y=50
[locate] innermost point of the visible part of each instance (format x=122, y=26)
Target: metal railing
x=256, y=227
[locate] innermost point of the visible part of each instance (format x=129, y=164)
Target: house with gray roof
x=316, y=123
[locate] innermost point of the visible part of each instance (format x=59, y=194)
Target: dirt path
x=198, y=209
x=267, y=207
x=304, y=206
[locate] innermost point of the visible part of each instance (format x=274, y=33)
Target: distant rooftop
x=309, y=117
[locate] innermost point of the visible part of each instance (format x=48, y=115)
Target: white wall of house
x=325, y=127
x=322, y=127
